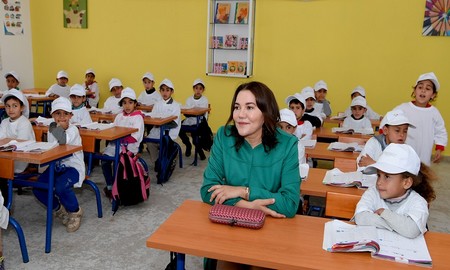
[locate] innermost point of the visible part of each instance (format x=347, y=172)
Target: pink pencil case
x=237, y=216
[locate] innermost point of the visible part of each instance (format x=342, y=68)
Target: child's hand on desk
x=365, y=161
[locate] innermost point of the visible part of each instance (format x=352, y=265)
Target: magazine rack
x=230, y=35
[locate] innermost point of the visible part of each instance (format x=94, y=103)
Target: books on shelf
x=220, y=68
x=216, y=42
x=308, y=143
x=241, y=15
x=345, y=147
x=343, y=237
x=236, y=67
x=230, y=42
x=363, y=131
x=222, y=13
x=28, y=146
x=97, y=126
x=336, y=177
x=242, y=43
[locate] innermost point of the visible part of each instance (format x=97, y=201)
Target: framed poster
x=75, y=13
x=436, y=21
x=12, y=17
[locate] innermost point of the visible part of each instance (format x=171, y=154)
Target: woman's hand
x=221, y=193
x=261, y=204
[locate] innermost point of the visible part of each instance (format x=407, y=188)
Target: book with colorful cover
x=222, y=13
x=242, y=43
x=241, y=16
x=241, y=67
x=231, y=41
x=232, y=67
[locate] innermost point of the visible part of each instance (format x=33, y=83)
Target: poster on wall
x=75, y=13
x=437, y=18
x=12, y=17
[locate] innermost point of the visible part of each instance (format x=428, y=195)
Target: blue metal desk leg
x=181, y=258
x=116, y=157
x=16, y=225
x=51, y=184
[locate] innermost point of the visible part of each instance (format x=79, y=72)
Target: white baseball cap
x=61, y=103
x=398, y=158
x=198, y=81
x=14, y=74
x=359, y=89
x=429, y=76
x=359, y=101
x=308, y=92
x=288, y=116
x=395, y=118
x=296, y=96
x=320, y=85
x=114, y=82
x=77, y=90
x=168, y=83
x=149, y=76
x=62, y=74
x=18, y=94
x=127, y=93
x=90, y=70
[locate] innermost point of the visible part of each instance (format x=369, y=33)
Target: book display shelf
x=230, y=34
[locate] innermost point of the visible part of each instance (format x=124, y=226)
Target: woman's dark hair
x=422, y=182
x=267, y=104
x=15, y=98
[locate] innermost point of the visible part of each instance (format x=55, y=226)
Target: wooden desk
x=195, y=111
x=321, y=151
x=326, y=133
x=338, y=122
x=294, y=243
x=145, y=108
x=98, y=117
x=313, y=185
x=40, y=91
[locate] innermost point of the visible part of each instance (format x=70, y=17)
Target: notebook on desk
x=343, y=130
x=336, y=177
x=28, y=146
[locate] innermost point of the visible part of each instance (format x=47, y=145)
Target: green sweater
x=272, y=174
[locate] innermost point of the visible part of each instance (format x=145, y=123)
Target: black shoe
x=108, y=193
x=188, y=150
x=202, y=155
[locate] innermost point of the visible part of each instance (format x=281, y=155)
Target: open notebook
x=28, y=146
x=364, y=131
x=97, y=126
x=345, y=147
x=336, y=177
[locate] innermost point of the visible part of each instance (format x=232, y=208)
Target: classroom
x=376, y=44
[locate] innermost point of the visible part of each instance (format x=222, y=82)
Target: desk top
x=313, y=185
x=195, y=111
x=321, y=151
x=325, y=132
x=375, y=123
x=294, y=243
x=106, y=134
x=147, y=119
x=34, y=91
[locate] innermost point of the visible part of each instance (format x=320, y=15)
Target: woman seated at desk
x=253, y=164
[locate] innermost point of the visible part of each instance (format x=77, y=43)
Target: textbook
x=28, y=146
x=42, y=121
x=363, y=131
x=383, y=244
x=345, y=147
x=241, y=16
x=222, y=13
x=336, y=177
x=97, y=126
x=231, y=42
x=308, y=143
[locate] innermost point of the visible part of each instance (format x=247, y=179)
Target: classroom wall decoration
x=12, y=17
x=75, y=13
x=437, y=18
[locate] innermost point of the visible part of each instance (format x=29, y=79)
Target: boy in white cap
x=198, y=100
x=394, y=126
x=399, y=200
x=149, y=96
x=80, y=113
x=91, y=87
x=129, y=117
x=71, y=172
x=12, y=80
x=430, y=126
x=60, y=88
x=357, y=120
x=370, y=113
x=320, y=92
x=164, y=108
x=112, y=103
x=310, y=101
x=304, y=128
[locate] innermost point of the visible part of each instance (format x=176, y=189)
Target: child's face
x=77, y=100
x=424, y=93
x=297, y=109
x=310, y=103
x=358, y=111
x=320, y=94
x=13, y=108
x=166, y=92
x=148, y=84
x=287, y=127
x=128, y=105
x=392, y=185
x=62, y=118
x=11, y=82
x=89, y=78
x=62, y=81
x=356, y=94
x=396, y=134
x=198, y=90
x=117, y=91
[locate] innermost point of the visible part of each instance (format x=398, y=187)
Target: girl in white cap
x=357, y=120
x=80, y=113
x=370, y=113
x=399, y=201
x=12, y=82
x=149, y=96
x=112, y=103
x=60, y=88
x=91, y=87
x=430, y=127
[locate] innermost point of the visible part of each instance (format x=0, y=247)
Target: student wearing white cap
x=394, y=127
x=370, y=113
x=60, y=88
x=129, y=117
x=399, y=200
x=296, y=103
x=12, y=80
x=71, y=171
x=198, y=100
x=149, y=96
x=430, y=126
x=112, y=103
x=80, y=113
x=322, y=104
x=310, y=101
x=91, y=87
x=357, y=120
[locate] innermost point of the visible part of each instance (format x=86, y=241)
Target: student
x=395, y=126
x=399, y=201
x=310, y=99
x=91, y=86
x=112, y=103
x=71, y=170
x=430, y=126
x=360, y=91
x=198, y=100
x=164, y=108
x=320, y=92
x=304, y=128
x=149, y=96
x=80, y=113
x=4, y=221
x=357, y=120
x=129, y=117
x=12, y=82
x=60, y=88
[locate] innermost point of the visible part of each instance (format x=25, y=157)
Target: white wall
x=16, y=51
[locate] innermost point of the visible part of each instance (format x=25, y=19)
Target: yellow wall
x=376, y=44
